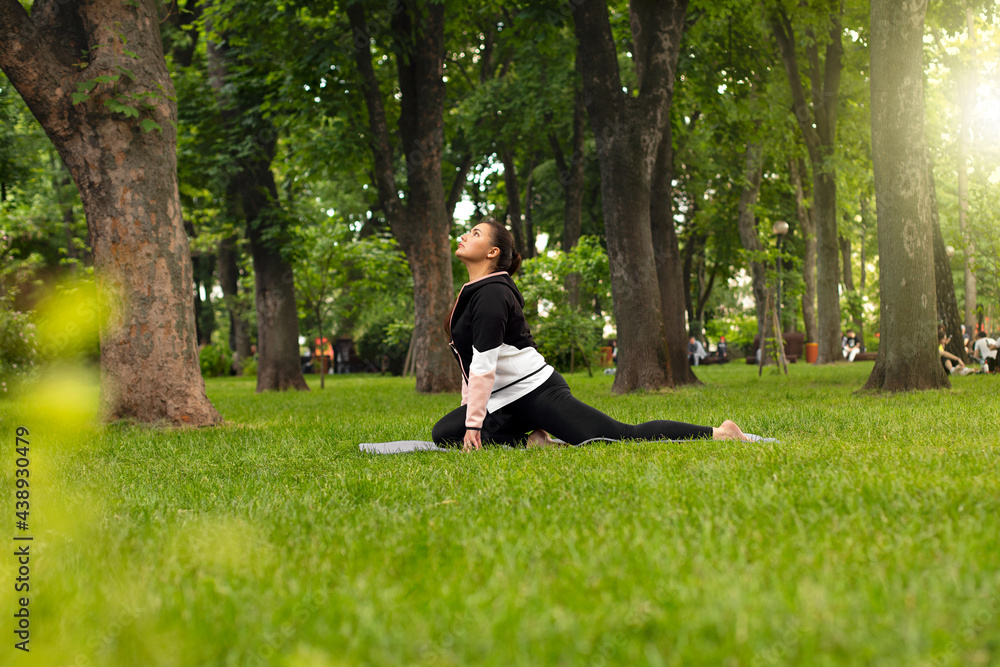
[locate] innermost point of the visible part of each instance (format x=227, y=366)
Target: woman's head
x=508, y=259
x=490, y=241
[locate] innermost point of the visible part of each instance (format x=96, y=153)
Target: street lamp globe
x=780, y=228
x=949, y=251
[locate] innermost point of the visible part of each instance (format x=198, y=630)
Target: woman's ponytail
x=508, y=260
x=515, y=263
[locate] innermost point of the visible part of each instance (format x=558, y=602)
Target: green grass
x=869, y=535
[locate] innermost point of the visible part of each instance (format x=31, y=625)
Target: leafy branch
x=129, y=104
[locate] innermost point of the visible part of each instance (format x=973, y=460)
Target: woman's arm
x=490, y=309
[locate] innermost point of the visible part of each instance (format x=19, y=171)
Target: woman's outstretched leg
x=553, y=407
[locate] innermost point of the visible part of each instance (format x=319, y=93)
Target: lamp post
x=780, y=228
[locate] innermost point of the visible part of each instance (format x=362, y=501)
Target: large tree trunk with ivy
x=818, y=124
x=122, y=156
x=907, y=356
x=421, y=224
x=628, y=131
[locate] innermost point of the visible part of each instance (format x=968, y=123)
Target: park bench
x=794, y=344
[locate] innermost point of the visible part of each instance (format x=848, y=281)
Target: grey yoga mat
x=408, y=446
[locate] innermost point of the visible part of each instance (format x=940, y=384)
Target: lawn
x=869, y=535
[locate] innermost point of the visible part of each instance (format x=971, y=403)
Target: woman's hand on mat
x=472, y=440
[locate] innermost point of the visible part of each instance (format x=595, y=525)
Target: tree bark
x=278, y=364
x=947, y=304
x=421, y=224
x=746, y=221
x=967, y=101
x=669, y=266
x=571, y=177
x=818, y=124
x=856, y=313
x=514, y=202
x=239, y=327
x=907, y=356
x=804, y=214
x=628, y=131
x=255, y=195
x=127, y=180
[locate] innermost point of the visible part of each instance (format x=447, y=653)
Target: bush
x=250, y=367
x=215, y=360
x=18, y=347
x=385, y=342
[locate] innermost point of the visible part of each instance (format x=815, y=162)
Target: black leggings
x=552, y=408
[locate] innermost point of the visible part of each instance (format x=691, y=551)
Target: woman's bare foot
x=728, y=430
x=539, y=438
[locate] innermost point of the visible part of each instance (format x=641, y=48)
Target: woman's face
x=476, y=245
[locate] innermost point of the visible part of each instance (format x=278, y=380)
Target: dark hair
x=508, y=260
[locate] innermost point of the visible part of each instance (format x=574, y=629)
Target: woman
x=952, y=364
x=508, y=391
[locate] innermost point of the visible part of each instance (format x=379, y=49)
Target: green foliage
x=984, y=226
x=18, y=347
x=384, y=343
x=562, y=328
x=249, y=367
x=116, y=95
x=215, y=360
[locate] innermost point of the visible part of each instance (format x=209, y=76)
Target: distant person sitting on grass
x=952, y=364
x=510, y=395
x=986, y=351
x=852, y=345
x=722, y=350
x=696, y=351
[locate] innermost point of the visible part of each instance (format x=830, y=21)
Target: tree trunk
x=797, y=168
x=947, y=304
x=907, y=356
x=746, y=222
x=856, y=312
x=669, y=266
x=818, y=124
x=278, y=364
x=528, y=208
x=239, y=327
x=514, y=202
x=571, y=177
x=253, y=186
x=967, y=97
x=628, y=131
x=421, y=225
x=127, y=180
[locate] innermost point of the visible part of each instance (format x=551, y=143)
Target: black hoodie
x=491, y=340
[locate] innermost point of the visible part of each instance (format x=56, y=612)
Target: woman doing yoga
x=508, y=390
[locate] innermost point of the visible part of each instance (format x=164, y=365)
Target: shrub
x=384, y=345
x=18, y=347
x=250, y=367
x=215, y=360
